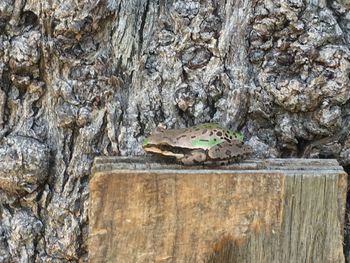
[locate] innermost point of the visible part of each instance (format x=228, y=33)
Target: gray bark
x=80, y=79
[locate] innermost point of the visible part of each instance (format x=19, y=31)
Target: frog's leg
x=234, y=150
x=194, y=157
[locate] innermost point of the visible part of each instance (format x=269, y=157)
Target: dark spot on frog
x=211, y=133
x=193, y=136
x=204, y=131
x=219, y=133
x=231, y=137
x=227, y=139
x=226, y=134
x=182, y=136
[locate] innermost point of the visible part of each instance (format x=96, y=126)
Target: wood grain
x=162, y=214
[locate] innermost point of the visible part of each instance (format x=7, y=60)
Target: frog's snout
x=145, y=142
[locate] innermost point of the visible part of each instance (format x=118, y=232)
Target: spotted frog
x=207, y=143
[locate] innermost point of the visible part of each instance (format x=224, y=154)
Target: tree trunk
x=81, y=79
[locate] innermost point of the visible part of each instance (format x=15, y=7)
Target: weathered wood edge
x=152, y=163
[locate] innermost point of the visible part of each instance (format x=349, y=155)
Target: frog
x=207, y=143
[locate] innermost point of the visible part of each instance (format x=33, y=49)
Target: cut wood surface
x=276, y=210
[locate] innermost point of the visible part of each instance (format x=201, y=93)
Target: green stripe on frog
x=206, y=143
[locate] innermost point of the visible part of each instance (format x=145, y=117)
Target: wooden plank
x=255, y=211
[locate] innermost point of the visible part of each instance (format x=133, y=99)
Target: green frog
x=207, y=143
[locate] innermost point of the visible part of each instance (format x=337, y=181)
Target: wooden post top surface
x=106, y=164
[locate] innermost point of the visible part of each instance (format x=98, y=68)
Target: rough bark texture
x=85, y=78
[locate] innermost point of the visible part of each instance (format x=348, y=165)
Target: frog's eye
x=145, y=141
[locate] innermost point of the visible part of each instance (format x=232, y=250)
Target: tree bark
x=80, y=79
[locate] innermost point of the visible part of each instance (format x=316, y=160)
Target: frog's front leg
x=194, y=157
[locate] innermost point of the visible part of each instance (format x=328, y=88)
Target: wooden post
x=277, y=210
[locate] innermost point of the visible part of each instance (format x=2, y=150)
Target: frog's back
x=203, y=136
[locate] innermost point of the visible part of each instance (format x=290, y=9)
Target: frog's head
x=162, y=142
x=157, y=137
x=146, y=142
